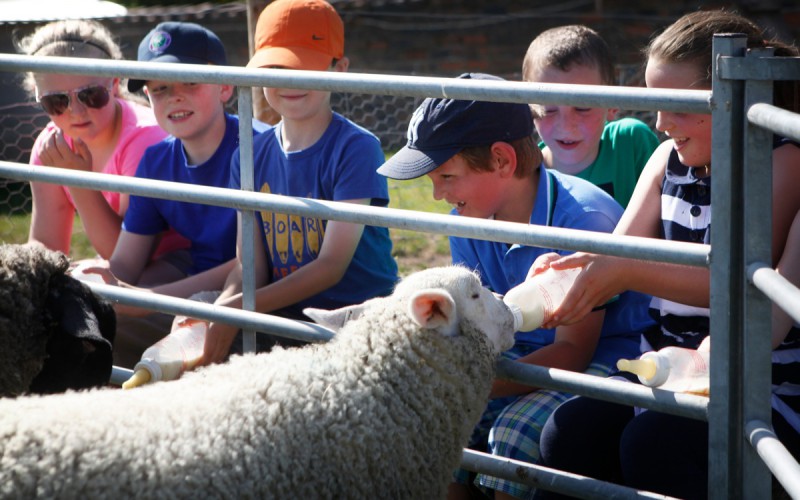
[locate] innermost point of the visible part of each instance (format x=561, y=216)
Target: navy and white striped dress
x=686, y=216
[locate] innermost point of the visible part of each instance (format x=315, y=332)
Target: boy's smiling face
x=186, y=110
x=472, y=193
x=571, y=134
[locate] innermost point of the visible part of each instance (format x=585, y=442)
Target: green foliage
x=14, y=229
x=414, y=250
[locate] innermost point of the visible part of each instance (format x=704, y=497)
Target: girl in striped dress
x=646, y=449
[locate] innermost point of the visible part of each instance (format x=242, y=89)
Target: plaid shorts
x=510, y=427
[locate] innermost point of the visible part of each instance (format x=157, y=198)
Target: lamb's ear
x=336, y=318
x=434, y=308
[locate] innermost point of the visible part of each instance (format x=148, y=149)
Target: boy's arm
x=338, y=248
x=131, y=255
x=572, y=349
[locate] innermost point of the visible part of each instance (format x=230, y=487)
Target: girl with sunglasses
x=93, y=127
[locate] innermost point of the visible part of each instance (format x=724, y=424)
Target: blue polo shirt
x=569, y=202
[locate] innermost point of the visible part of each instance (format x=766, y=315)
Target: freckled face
x=472, y=193
x=572, y=134
x=691, y=133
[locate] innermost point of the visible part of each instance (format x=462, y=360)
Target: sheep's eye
x=476, y=296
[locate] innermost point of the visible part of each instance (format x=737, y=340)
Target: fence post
x=725, y=474
x=757, y=215
x=248, y=217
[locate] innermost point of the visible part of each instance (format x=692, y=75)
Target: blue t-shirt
x=210, y=229
x=341, y=165
x=561, y=201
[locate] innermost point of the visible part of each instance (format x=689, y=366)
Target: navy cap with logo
x=441, y=128
x=176, y=42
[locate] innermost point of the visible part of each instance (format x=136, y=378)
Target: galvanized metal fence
x=742, y=444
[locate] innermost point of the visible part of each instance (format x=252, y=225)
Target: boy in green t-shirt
x=585, y=142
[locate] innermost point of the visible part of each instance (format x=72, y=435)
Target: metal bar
x=757, y=218
x=299, y=330
x=775, y=456
x=546, y=478
x=508, y=232
x=632, y=98
x=724, y=410
x=616, y=391
x=763, y=68
x=780, y=290
x=247, y=217
x=775, y=119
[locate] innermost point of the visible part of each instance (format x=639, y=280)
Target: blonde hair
x=72, y=38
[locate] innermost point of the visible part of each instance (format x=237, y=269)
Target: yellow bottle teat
x=139, y=377
x=645, y=368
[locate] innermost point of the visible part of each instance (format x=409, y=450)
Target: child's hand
x=542, y=264
x=92, y=270
x=102, y=269
x=218, y=342
x=598, y=283
x=55, y=152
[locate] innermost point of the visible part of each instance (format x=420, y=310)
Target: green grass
x=414, y=250
x=411, y=249
x=14, y=229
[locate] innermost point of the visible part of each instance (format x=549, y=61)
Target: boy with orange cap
x=313, y=153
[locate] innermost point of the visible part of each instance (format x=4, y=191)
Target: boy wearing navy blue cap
x=481, y=158
x=203, y=139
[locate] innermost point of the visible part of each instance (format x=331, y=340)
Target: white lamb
x=381, y=411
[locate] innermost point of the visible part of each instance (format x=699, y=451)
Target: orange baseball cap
x=298, y=34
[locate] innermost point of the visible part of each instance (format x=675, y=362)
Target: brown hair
x=566, y=46
x=689, y=40
x=529, y=157
x=72, y=38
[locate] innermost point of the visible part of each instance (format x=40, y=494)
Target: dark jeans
x=651, y=451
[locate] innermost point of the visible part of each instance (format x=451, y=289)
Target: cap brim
x=136, y=85
x=291, y=58
x=409, y=163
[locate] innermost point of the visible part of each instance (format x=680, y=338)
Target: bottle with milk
x=176, y=353
x=534, y=301
x=675, y=369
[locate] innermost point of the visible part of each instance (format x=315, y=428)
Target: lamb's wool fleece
x=381, y=411
x=25, y=274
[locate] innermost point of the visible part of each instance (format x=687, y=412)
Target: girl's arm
x=101, y=223
x=789, y=268
x=785, y=199
x=605, y=276
x=52, y=217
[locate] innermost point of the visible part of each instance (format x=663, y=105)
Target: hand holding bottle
x=603, y=278
x=176, y=353
x=534, y=301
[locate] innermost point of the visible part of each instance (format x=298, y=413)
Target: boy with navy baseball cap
x=203, y=139
x=481, y=158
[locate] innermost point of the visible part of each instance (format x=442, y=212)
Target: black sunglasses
x=92, y=96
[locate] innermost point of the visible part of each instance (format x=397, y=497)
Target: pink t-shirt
x=139, y=131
